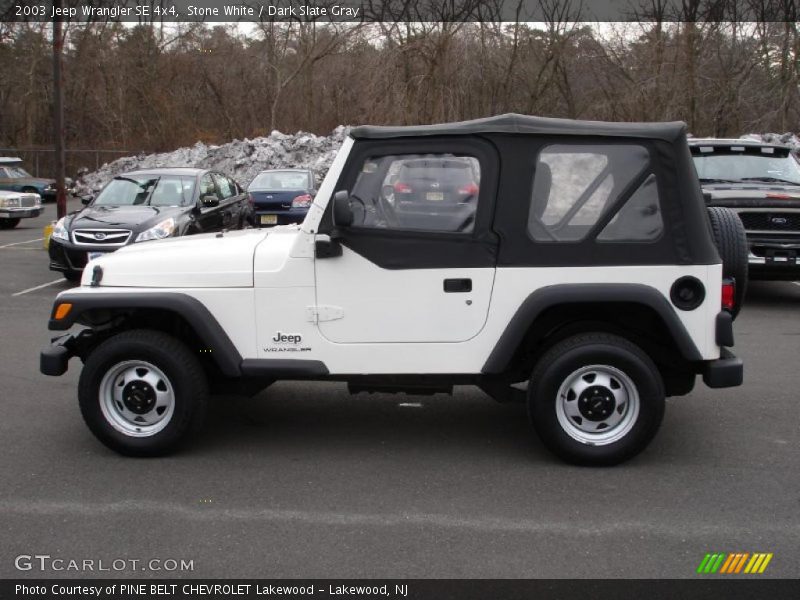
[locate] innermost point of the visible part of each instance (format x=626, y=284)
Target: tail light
x=402, y=188
x=303, y=201
x=251, y=200
x=468, y=190
x=728, y=294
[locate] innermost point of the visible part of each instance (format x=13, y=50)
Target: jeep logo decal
x=287, y=338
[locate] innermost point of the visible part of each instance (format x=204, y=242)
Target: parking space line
x=20, y=243
x=38, y=287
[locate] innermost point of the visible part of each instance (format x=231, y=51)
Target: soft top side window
x=639, y=220
x=417, y=192
x=575, y=185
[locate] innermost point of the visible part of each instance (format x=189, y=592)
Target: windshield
x=274, y=181
x=14, y=172
x=147, y=190
x=741, y=166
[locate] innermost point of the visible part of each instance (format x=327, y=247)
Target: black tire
x=71, y=276
x=731, y=242
x=8, y=223
x=182, y=375
x=599, y=353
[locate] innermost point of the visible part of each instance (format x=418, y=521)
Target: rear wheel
x=72, y=276
x=8, y=223
x=142, y=392
x=596, y=399
x=731, y=242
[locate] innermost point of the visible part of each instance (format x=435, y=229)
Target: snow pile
x=787, y=139
x=240, y=159
x=243, y=159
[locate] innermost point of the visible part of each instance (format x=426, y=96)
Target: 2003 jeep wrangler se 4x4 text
x=574, y=258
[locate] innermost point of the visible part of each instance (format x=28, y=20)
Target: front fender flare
x=195, y=313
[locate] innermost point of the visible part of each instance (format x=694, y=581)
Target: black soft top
x=514, y=123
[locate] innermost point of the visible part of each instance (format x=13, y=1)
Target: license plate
x=269, y=219
x=93, y=255
x=435, y=196
x=787, y=257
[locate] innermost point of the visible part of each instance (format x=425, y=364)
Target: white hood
x=197, y=261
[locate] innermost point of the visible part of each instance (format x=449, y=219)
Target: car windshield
x=15, y=172
x=147, y=190
x=274, y=181
x=735, y=166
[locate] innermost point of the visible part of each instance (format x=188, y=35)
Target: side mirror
x=87, y=199
x=209, y=201
x=342, y=213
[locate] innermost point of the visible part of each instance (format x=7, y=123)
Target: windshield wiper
x=714, y=180
x=121, y=178
x=771, y=180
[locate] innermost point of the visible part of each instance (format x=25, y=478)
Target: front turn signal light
x=62, y=310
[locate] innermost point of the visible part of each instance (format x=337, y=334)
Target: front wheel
x=142, y=392
x=596, y=399
x=8, y=223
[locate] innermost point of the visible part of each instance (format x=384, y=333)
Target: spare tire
x=731, y=242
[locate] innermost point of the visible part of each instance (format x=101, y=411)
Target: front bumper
x=67, y=257
x=54, y=359
x=20, y=213
x=773, y=255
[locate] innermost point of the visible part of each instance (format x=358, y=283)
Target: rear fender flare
x=548, y=297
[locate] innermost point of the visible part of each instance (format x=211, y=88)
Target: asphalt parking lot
x=307, y=481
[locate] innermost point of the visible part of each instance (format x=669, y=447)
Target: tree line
x=155, y=87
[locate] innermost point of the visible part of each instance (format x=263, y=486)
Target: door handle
x=457, y=285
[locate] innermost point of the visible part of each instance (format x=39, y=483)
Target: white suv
x=571, y=265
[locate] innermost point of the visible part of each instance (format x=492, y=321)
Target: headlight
x=159, y=232
x=9, y=202
x=60, y=230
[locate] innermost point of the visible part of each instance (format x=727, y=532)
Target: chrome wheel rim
x=597, y=405
x=136, y=398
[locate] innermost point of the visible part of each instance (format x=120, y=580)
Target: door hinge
x=317, y=314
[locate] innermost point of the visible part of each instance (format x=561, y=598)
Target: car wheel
x=8, y=223
x=142, y=392
x=596, y=399
x=731, y=242
x=72, y=276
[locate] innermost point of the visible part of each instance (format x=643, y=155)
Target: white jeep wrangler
x=574, y=258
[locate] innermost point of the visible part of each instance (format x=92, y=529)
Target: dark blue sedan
x=282, y=196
